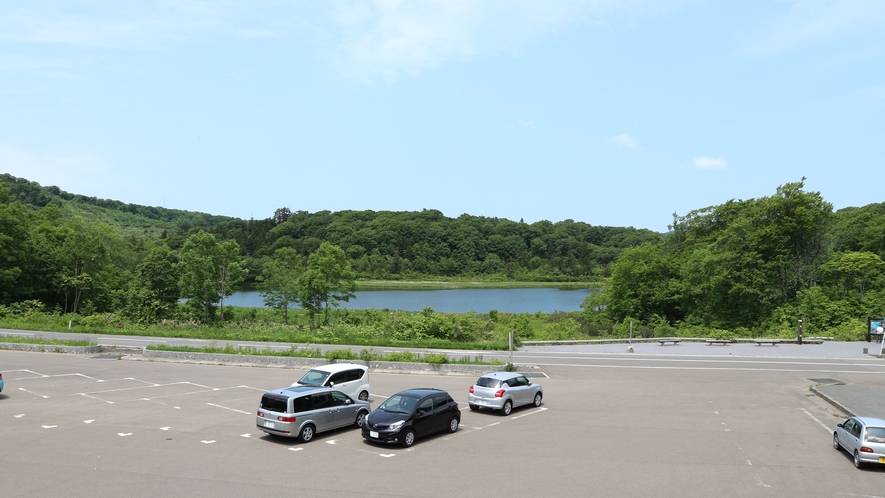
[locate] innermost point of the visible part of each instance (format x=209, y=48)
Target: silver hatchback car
x=863, y=438
x=303, y=411
x=504, y=391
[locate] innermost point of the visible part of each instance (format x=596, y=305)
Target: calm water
x=451, y=300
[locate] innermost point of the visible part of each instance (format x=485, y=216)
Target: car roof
x=420, y=392
x=877, y=422
x=298, y=390
x=337, y=367
x=502, y=375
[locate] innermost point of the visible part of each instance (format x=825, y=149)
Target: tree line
x=754, y=265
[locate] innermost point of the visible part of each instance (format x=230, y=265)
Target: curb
x=833, y=402
x=50, y=348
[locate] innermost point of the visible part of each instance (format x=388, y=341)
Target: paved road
x=93, y=425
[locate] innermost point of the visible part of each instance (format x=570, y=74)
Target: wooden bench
x=724, y=342
x=773, y=342
x=665, y=341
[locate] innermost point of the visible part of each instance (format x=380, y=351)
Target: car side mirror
x=839, y=425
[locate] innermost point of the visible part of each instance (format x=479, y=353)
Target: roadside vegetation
x=743, y=269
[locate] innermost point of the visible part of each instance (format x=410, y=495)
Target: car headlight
x=396, y=425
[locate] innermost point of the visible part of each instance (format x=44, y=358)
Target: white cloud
x=704, y=162
x=623, y=140
x=807, y=22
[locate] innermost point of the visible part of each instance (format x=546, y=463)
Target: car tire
x=507, y=408
x=537, y=401
x=307, y=433
x=361, y=418
x=364, y=396
x=836, y=444
x=453, y=425
x=857, y=463
x=409, y=438
x=473, y=407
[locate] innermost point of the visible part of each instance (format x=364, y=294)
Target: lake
x=545, y=300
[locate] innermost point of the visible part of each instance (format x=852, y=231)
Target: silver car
x=504, y=391
x=303, y=411
x=863, y=438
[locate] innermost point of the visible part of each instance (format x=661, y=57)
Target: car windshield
x=875, y=435
x=489, y=382
x=314, y=378
x=398, y=404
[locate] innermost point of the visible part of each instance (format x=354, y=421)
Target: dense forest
x=744, y=266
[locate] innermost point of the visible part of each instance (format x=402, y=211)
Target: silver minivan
x=304, y=411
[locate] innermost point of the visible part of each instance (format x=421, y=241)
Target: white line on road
x=295, y=449
x=32, y=392
x=124, y=434
x=49, y=426
x=165, y=428
x=539, y=410
x=208, y=442
x=88, y=421
x=231, y=409
x=818, y=421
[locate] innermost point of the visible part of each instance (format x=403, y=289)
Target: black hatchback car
x=411, y=414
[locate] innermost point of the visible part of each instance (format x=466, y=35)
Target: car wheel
x=361, y=419
x=453, y=424
x=537, y=401
x=836, y=442
x=857, y=462
x=409, y=438
x=364, y=396
x=306, y=433
x=473, y=407
x=508, y=407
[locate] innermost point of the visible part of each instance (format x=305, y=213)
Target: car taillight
x=471, y=389
x=260, y=413
x=864, y=449
x=286, y=419
x=499, y=393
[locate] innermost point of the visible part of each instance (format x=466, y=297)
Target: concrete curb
x=833, y=402
x=284, y=361
x=50, y=348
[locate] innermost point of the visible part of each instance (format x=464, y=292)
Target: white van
x=349, y=378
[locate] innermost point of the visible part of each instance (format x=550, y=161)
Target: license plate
x=269, y=424
x=483, y=403
x=373, y=434
x=881, y=459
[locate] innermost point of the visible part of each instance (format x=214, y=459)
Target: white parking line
x=231, y=409
x=32, y=392
x=818, y=421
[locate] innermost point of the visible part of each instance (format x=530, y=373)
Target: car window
x=426, y=405
x=522, y=381
x=489, y=382
x=856, y=431
x=440, y=401
x=398, y=404
x=338, y=378
x=356, y=374
x=301, y=404
x=339, y=399
x=874, y=435
x=274, y=403
x=314, y=378
x=321, y=400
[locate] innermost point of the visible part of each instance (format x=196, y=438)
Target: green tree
x=856, y=269
x=327, y=281
x=209, y=272
x=279, y=282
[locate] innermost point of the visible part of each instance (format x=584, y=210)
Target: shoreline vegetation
x=467, y=284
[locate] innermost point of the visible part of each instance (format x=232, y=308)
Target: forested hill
x=126, y=219
x=379, y=245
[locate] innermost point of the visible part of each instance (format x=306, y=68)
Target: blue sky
x=616, y=113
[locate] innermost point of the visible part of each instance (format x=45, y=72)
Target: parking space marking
x=99, y=399
x=295, y=449
x=332, y=441
x=539, y=410
x=818, y=421
x=246, y=435
x=32, y=392
x=124, y=434
x=88, y=421
x=20, y=415
x=231, y=409
x=208, y=442
x=49, y=426
x=165, y=428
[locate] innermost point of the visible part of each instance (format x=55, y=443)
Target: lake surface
x=530, y=300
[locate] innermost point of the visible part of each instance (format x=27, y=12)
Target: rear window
x=875, y=434
x=274, y=403
x=489, y=382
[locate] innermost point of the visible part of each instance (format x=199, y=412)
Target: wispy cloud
x=623, y=140
x=703, y=162
x=808, y=22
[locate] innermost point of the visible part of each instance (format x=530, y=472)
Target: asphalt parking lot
x=95, y=425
